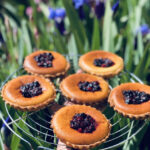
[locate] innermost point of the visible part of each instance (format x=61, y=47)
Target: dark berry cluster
x=103, y=62
x=89, y=86
x=31, y=89
x=135, y=97
x=83, y=123
x=44, y=60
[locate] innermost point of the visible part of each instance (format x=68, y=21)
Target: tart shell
x=69, y=88
x=11, y=93
x=75, y=139
x=86, y=63
x=60, y=65
x=135, y=111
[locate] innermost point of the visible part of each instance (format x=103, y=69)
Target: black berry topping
x=31, y=89
x=135, y=97
x=44, y=60
x=89, y=86
x=103, y=62
x=83, y=123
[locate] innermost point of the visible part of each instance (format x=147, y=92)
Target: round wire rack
x=35, y=126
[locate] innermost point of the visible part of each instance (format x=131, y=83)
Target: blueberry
x=44, y=60
x=103, y=62
x=135, y=97
x=83, y=123
x=89, y=86
x=31, y=89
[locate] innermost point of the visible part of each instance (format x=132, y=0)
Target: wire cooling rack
x=35, y=126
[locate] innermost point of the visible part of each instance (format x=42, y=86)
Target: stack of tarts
x=36, y=91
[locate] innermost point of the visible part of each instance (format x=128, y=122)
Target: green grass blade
x=75, y=23
x=143, y=62
x=107, y=27
x=1, y=143
x=96, y=35
x=73, y=53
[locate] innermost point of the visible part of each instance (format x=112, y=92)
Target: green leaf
x=1, y=143
x=59, y=42
x=76, y=25
x=73, y=53
x=20, y=47
x=96, y=35
x=26, y=36
x=15, y=139
x=143, y=63
x=107, y=27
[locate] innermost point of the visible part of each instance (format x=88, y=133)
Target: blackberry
x=44, y=60
x=31, y=89
x=89, y=86
x=83, y=123
x=135, y=97
x=103, y=62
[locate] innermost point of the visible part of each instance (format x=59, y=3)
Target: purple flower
x=1, y=40
x=4, y=128
x=115, y=7
x=29, y=11
x=144, y=29
x=37, y=1
x=98, y=6
x=99, y=9
x=60, y=13
x=60, y=26
x=51, y=13
x=58, y=16
x=78, y=3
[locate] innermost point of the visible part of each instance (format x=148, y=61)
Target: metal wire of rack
x=37, y=124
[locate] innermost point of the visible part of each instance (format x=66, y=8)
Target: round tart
x=28, y=92
x=46, y=63
x=131, y=100
x=85, y=88
x=80, y=126
x=101, y=63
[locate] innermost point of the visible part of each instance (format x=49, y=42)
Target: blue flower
x=60, y=13
x=1, y=40
x=58, y=16
x=4, y=128
x=115, y=6
x=99, y=9
x=144, y=29
x=51, y=13
x=78, y=3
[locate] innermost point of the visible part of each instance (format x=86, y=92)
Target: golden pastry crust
x=60, y=65
x=12, y=95
x=70, y=89
x=86, y=63
x=75, y=139
x=136, y=111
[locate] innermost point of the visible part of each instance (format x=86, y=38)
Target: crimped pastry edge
x=79, y=102
x=48, y=75
x=30, y=108
x=86, y=147
x=105, y=74
x=131, y=116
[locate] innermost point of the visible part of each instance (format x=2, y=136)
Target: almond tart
x=84, y=88
x=46, y=63
x=80, y=126
x=131, y=100
x=101, y=63
x=28, y=92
